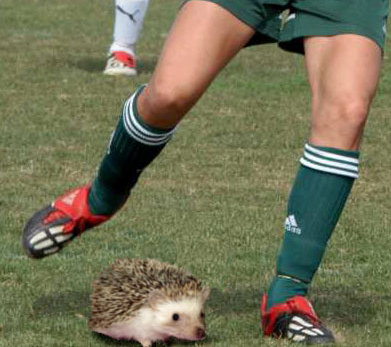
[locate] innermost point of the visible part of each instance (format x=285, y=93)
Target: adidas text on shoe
x=54, y=226
x=296, y=321
x=121, y=63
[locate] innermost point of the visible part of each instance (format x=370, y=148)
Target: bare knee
x=164, y=105
x=350, y=112
x=169, y=100
x=339, y=121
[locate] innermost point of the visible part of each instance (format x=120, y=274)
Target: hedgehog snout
x=200, y=333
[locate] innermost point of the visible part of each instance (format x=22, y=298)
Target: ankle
x=283, y=288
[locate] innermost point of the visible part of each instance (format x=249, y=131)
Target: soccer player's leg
x=128, y=24
x=146, y=124
x=343, y=73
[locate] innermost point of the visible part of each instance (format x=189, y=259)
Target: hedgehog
x=148, y=301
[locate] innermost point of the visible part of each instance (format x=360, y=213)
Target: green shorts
x=289, y=21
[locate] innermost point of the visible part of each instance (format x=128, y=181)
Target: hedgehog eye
x=202, y=315
x=175, y=316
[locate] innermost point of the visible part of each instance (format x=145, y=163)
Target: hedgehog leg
x=146, y=343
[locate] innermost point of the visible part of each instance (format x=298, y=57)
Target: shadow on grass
x=147, y=65
x=173, y=342
x=348, y=306
x=111, y=342
x=89, y=64
x=69, y=302
x=235, y=301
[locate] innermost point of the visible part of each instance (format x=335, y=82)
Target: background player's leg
x=202, y=41
x=343, y=72
x=128, y=23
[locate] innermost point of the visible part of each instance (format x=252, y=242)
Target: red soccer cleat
x=295, y=320
x=121, y=63
x=53, y=227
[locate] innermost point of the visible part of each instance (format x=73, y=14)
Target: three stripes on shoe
x=50, y=239
x=300, y=329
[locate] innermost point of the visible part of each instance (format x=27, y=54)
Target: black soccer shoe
x=300, y=328
x=53, y=227
x=296, y=321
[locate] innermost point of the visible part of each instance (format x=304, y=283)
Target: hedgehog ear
x=156, y=297
x=205, y=293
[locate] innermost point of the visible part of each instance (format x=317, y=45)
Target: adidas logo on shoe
x=68, y=199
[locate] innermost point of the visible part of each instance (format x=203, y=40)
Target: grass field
x=214, y=203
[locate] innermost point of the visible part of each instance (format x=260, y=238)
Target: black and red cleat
x=53, y=227
x=296, y=321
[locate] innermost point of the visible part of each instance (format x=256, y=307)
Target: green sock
x=282, y=288
x=318, y=196
x=133, y=146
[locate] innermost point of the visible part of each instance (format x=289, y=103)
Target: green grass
x=213, y=203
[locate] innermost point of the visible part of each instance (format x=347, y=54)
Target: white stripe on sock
x=145, y=142
x=330, y=162
x=331, y=155
x=142, y=129
x=140, y=136
x=306, y=163
x=138, y=132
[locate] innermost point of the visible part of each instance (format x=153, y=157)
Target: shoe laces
x=54, y=216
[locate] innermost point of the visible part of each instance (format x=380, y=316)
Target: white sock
x=129, y=20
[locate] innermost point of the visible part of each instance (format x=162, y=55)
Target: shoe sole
x=118, y=72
